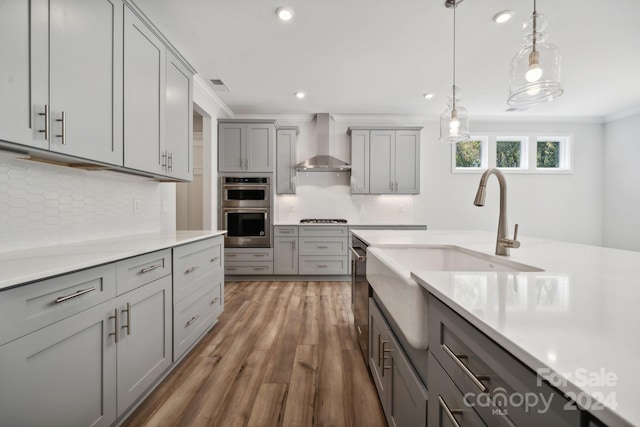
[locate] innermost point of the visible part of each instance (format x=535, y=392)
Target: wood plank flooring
x=282, y=354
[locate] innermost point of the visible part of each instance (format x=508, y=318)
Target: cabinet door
x=408, y=402
x=178, y=120
x=285, y=255
x=360, y=162
x=260, y=147
x=286, y=161
x=407, y=162
x=381, y=161
x=24, y=73
x=63, y=374
x=144, y=348
x=231, y=141
x=86, y=79
x=144, y=105
x=378, y=334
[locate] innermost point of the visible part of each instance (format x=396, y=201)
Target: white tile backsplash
x=43, y=204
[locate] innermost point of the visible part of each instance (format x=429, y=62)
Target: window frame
x=566, y=154
x=484, y=155
x=524, y=152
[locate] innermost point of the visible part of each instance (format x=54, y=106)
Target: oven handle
x=359, y=257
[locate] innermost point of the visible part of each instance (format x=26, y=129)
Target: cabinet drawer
x=192, y=263
x=249, y=254
x=488, y=368
x=137, y=271
x=285, y=231
x=245, y=268
x=324, y=230
x=324, y=246
x=195, y=315
x=30, y=307
x=323, y=265
x=448, y=402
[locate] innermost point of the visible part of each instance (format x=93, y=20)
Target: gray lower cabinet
x=285, y=255
x=248, y=261
x=402, y=394
x=286, y=138
x=466, y=363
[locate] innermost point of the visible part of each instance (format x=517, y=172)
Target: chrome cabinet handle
x=63, y=132
x=214, y=301
x=473, y=377
x=150, y=268
x=192, y=269
x=46, y=122
x=322, y=266
x=170, y=162
x=322, y=246
x=259, y=268
x=214, y=259
x=74, y=295
x=391, y=185
x=286, y=231
x=384, y=358
x=128, y=325
x=358, y=256
x=116, y=332
x=193, y=319
x=379, y=350
x=293, y=243
x=259, y=255
x=450, y=412
x=164, y=159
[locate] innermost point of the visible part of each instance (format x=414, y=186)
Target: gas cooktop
x=322, y=221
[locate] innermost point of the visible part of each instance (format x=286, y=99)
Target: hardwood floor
x=282, y=354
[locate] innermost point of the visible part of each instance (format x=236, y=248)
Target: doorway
x=190, y=196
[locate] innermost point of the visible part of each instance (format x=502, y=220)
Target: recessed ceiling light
x=428, y=95
x=300, y=95
x=284, y=13
x=502, y=17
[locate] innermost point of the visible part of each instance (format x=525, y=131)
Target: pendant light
x=535, y=70
x=454, y=121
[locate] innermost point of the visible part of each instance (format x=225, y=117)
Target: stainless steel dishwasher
x=360, y=294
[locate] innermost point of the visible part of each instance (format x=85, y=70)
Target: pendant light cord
x=535, y=29
x=453, y=89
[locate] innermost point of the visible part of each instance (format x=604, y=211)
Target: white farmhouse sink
x=389, y=273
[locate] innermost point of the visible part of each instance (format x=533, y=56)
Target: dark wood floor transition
x=282, y=354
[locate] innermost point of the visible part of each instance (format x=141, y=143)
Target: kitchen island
x=573, y=324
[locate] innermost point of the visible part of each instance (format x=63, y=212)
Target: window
x=511, y=152
x=552, y=153
x=470, y=155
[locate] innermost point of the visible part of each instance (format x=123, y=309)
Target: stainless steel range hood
x=323, y=161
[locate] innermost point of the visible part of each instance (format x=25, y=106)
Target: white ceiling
x=380, y=56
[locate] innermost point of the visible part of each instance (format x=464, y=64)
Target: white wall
x=563, y=207
x=43, y=204
x=622, y=183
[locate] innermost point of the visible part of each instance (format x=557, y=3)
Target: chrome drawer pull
x=116, y=332
x=74, y=295
x=192, y=269
x=475, y=379
x=322, y=266
x=379, y=350
x=286, y=231
x=385, y=350
x=259, y=255
x=214, y=259
x=322, y=246
x=450, y=412
x=193, y=319
x=215, y=300
x=150, y=268
x=259, y=268
x=128, y=325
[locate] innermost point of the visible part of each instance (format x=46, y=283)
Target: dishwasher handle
x=359, y=257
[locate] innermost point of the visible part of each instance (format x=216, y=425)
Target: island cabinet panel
x=63, y=374
x=480, y=369
x=402, y=394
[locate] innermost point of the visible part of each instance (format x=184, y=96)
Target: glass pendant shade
x=454, y=121
x=534, y=76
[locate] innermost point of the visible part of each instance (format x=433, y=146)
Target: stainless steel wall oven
x=246, y=211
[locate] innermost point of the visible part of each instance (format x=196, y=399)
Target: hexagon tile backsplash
x=43, y=204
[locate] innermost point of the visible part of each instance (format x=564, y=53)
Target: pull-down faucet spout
x=503, y=243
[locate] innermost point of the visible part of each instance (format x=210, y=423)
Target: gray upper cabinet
x=385, y=161
x=179, y=119
x=62, y=77
x=286, y=160
x=246, y=146
x=144, y=105
x=360, y=162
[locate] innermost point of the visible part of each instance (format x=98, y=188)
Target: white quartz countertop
x=21, y=267
x=577, y=321
x=352, y=224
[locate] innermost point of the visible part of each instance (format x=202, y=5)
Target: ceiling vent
x=219, y=85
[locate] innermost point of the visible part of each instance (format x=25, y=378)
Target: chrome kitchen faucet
x=503, y=243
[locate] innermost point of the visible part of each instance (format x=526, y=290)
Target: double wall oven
x=246, y=211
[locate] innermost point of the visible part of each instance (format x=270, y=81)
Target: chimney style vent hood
x=323, y=161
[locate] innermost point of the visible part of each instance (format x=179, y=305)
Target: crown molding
x=622, y=114
x=280, y=118
x=205, y=88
